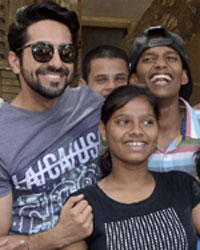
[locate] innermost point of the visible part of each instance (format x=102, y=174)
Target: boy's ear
x=81, y=81
x=14, y=62
x=184, y=78
x=133, y=79
x=102, y=130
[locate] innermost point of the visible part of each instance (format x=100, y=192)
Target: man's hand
x=75, y=224
x=76, y=220
x=18, y=245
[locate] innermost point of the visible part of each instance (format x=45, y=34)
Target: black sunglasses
x=44, y=51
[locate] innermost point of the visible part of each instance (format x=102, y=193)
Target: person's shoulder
x=180, y=174
x=197, y=112
x=193, y=109
x=174, y=175
x=87, y=191
x=1, y=102
x=5, y=111
x=179, y=182
x=84, y=88
x=186, y=104
x=193, y=112
x=83, y=94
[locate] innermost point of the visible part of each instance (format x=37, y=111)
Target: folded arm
x=75, y=224
x=81, y=245
x=6, y=213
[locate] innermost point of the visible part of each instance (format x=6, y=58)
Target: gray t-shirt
x=44, y=156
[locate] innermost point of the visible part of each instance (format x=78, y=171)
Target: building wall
x=193, y=51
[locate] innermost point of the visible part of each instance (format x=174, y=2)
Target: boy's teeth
x=161, y=77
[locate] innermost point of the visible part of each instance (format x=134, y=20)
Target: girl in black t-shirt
x=134, y=208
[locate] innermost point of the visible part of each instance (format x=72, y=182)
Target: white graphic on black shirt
x=161, y=230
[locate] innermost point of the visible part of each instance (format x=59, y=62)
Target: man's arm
x=81, y=245
x=18, y=245
x=5, y=220
x=75, y=224
x=5, y=213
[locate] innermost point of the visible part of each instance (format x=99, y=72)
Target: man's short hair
x=104, y=51
x=30, y=14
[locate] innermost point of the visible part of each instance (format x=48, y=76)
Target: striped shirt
x=180, y=153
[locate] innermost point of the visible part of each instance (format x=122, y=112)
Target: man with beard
x=49, y=134
x=158, y=59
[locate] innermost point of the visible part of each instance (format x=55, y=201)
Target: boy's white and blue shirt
x=180, y=153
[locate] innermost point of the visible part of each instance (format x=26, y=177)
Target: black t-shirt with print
x=161, y=222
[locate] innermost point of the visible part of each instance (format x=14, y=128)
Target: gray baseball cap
x=147, y=39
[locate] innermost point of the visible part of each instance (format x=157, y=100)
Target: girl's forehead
x=136, y=105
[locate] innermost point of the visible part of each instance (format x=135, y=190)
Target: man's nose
x=110, y=84
x=56, y=61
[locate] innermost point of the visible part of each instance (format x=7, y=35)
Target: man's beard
x=37, y=86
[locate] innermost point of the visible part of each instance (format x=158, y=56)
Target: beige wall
x=115, y=8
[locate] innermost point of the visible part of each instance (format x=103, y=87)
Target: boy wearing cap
x=158, y=59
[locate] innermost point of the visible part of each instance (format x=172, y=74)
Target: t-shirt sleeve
x=195, y=192
x=193, y=188
x=5, y=182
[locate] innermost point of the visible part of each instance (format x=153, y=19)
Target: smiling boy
x=158, y=59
